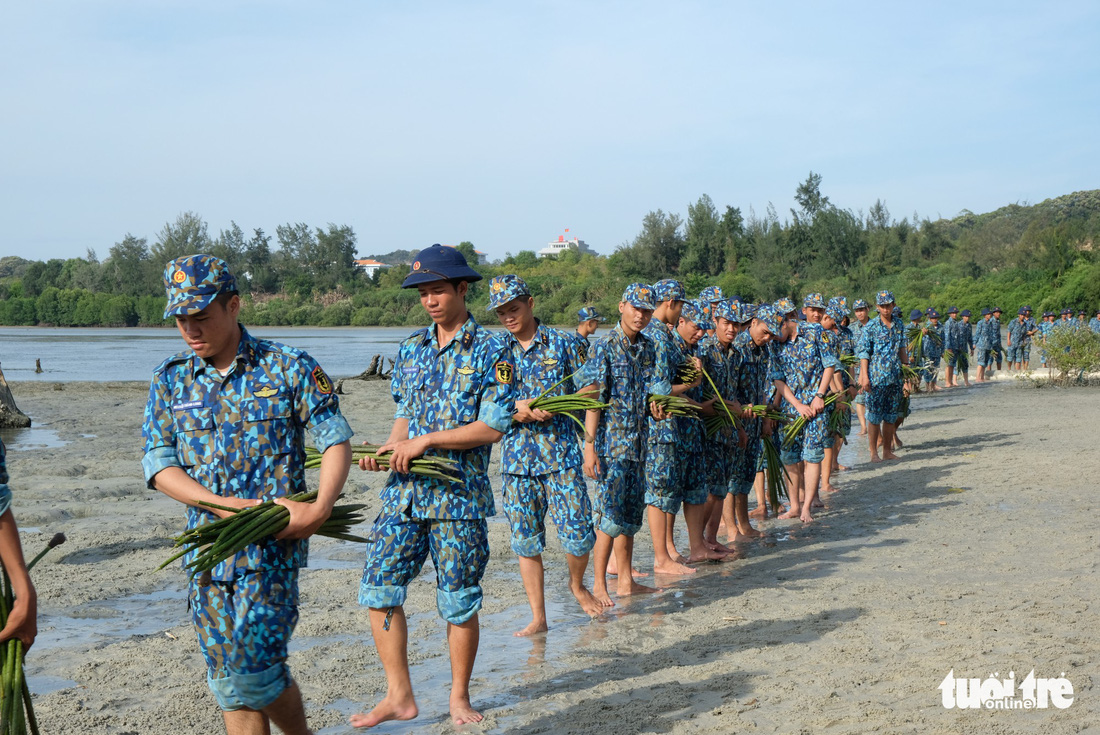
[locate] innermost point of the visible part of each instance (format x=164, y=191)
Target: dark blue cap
x=915, y=315
x=985, y=310
x=439, y=263
x=964, y=312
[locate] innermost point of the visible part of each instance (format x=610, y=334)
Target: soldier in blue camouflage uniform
x=691, y=472
x=23, y=617
x=1020, y=331
x=540, y=456
x=949, y=336
x=803, y=374
x=725, y=449
x=224, y=424
x=708, y=297
x=835, y=314
x=998, y=348
x=860, y=311
x=452, y=383
x=964, y=347
x=588, y=321
x=1046, y=328
x=983, y=344
x=759, y=326
x=622, y=368
x=662, y=487
x=881, y=351
x=933, y=351
x=1094, y=323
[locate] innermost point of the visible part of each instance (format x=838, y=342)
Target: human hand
x=305, y=518
x=591, y=461
x=525, y=414
x=22, y=620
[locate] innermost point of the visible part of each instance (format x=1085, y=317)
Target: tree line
x=1042, y=255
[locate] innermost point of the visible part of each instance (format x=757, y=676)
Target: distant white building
x=369, y=266
x=561, y=245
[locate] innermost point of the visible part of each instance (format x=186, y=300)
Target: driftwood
x=10, y=415
x=376, y=370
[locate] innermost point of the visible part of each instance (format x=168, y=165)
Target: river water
x=132, y=354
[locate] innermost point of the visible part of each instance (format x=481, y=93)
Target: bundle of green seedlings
x=837, y=423
x=721, y=401
x=721, y=419
x=775, y=474
x=675, y=405
x=764, y=411
x=849, y=361
x=567, y=404
x=16, y=708
x=903, y=405
x=687, y=372
x=910, y=374
x=222, y=539
x=439, y=468
x=796, y=427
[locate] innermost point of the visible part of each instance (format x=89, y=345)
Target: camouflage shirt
x=880, y=346
x=241, y=435
x=667, y=359
x=723, y=365
x=469, y=379
x=626, y=375
x=539, y=448
x=802, y=359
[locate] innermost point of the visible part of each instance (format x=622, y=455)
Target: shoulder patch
x=324, y=385
x=504, y=372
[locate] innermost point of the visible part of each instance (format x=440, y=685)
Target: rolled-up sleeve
x=318, y=406
x=157, y=432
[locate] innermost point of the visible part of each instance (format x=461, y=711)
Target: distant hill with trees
x=1040, y=254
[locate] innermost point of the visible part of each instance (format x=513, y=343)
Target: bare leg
x=462, y=640
x=587, y=601
x=392, y=645
x=729, y=519
x=600, y=555
x=531, y=570
x=246, y=722
x=827, y=469
x=713, y=515
x=861, y=414
x=670, y=538
x=624, y=553
x=888, y=436
x=812, y=473
x=658, y=529
x=741, y=516
x=873, y=440
x=794, y=490
x=695, y=518
x=761, y=509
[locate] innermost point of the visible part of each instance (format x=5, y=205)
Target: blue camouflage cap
x=503, y=289
x=640, y=296
x=742, y=311
x=770, y=318
x=192, y=282
x=915, y=315
x=710, y=294
x=896, y=311
x=693, y=311
x=839, y=300
x=882, y=298
x=588, y=313
x=439, y=263
x=784, y=306
x=859, y=304
x=814, y=300
x=836, y=312
x=724, y=309
x=669, y=289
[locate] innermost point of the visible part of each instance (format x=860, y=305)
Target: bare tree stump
x=10, y=415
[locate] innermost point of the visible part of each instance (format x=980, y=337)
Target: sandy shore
x=976, y=552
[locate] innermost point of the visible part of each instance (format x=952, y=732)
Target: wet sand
x=976, y=552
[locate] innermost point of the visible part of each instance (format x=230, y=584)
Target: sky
x=505, y=123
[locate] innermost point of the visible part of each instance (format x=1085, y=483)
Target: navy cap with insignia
x=192, y=282
x=439, y=263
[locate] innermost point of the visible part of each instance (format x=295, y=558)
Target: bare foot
x=829, y=488
x=535, y=626
x=632, y=588
x=707, y=555
x=749, y=532
x=386, y=710
x=715, y=546
x=761, y=512
x=841, y=468
x=861, y=432
x=672, y=567
x=613, y=571
x=792, y=513
x=818, y=503
x=600, y=593
x=675, y=555
x=889, y=455
x=462, y=712
x=875, y=458
x=897, y=442
x=587, y=601
x=806, y=517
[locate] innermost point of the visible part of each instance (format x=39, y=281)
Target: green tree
x=186, y=236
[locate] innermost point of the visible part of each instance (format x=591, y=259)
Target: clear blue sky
x=504, y=123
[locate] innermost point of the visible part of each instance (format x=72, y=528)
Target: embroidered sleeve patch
x=504, y=372
x=324, y=385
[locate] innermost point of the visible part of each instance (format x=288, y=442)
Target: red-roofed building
x=369, y=266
